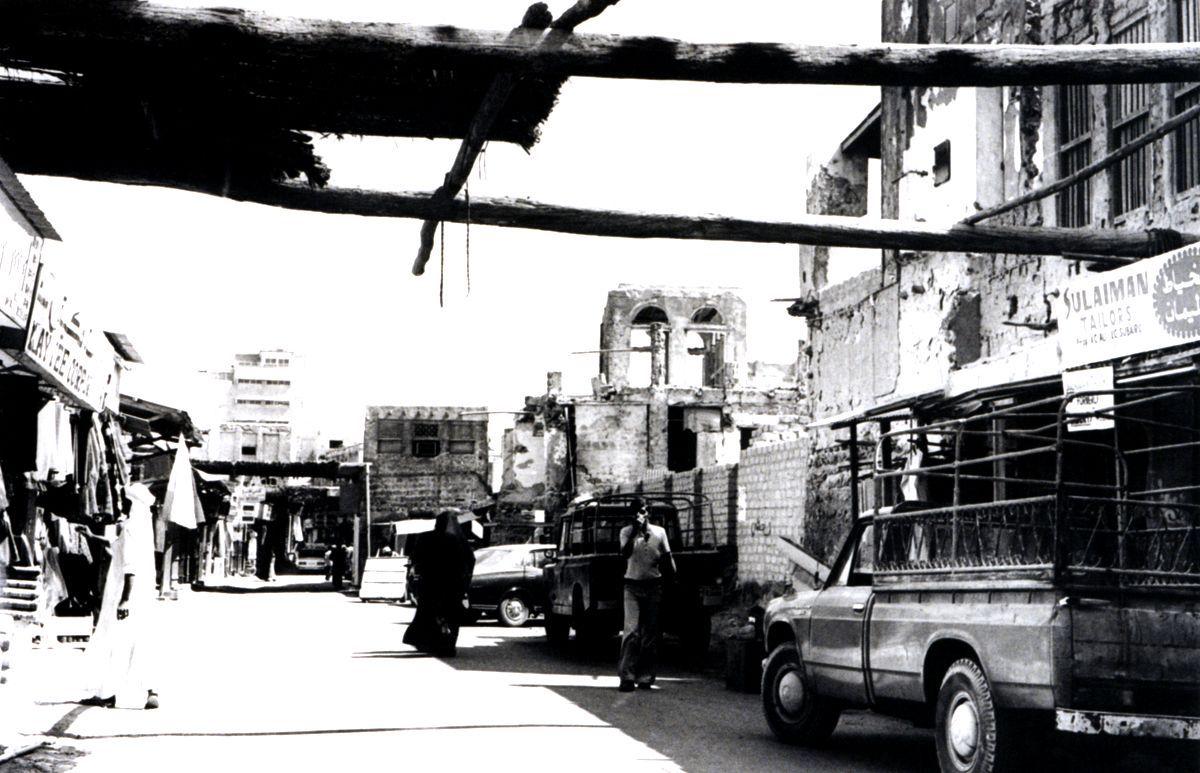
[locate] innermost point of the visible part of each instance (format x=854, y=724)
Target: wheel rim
x=962, y=730
x=789, y=692
x=514, y=610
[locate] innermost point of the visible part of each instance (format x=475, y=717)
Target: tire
x=558, y=629
x=512, y=611
x=967, y=726
x=794, y=712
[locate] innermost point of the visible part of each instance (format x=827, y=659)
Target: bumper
x=1137, y=725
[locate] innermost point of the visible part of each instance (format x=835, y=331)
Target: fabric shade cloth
x=181, y=505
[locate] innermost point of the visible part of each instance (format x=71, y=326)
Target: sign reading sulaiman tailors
x=19, y=256
x=76, y=359
x=1147, y=305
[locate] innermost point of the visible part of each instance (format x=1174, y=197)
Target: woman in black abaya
x=443, y=562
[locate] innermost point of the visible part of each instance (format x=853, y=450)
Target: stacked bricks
x=771, y=484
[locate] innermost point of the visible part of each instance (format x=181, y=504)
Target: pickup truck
x=586, y=578
x=1012, y=577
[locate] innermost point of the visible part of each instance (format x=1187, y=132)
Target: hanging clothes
x=180, y=504
x=55, y=446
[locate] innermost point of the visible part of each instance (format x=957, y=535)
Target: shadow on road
x=693, y=720
x=296, y=586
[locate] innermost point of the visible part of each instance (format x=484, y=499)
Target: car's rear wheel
x=794, y=711
x=967, y=725
x=512, y=611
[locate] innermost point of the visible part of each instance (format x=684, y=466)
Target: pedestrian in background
x=646, y=551
x=337, y=565
x=443, y=562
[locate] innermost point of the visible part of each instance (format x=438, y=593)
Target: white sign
x=20, y=254
x=77, y=360
x=1089, y=380
x=1151, y=304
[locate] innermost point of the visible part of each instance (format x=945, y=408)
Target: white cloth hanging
x=179, y=504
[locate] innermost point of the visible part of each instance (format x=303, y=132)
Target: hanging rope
x=468, y=194
x=442, y=279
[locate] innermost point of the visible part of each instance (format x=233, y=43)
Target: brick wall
x=771, y=482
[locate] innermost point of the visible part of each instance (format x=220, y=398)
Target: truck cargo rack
x=1042, y=489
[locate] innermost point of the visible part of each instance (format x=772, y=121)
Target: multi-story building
x=258, y=408
x=426, y=458
x=260, y=419
x=920, y=321
x=674, y=392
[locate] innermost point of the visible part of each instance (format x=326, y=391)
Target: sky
x=192, y=279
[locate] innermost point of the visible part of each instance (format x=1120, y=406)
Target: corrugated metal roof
x=20, y=197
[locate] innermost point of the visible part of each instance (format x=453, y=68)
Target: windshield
x=497, y=559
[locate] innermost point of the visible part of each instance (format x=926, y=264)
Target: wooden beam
x=817, y=230
x=1124, y=151
x=312, y=60
x=536, y=17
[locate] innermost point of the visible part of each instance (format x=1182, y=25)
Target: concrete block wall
x=771, y=483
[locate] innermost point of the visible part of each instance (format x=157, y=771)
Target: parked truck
x=586, y=577
x=1019, y=567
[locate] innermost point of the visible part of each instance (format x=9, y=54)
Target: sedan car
x=509, y=582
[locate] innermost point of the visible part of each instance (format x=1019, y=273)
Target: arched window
x=650, y=315
x=639, y=338
x=707, y=345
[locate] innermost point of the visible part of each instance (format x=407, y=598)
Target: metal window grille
x=425, y=430
x=1129, y=117
x=1074, y=153
x=1187, y=137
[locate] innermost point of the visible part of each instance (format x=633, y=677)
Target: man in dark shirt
x=645, y=549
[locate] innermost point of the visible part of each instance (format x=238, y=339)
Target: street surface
x=288, y=680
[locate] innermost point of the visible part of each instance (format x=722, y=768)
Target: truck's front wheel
x=794, y=712
x=965, y=721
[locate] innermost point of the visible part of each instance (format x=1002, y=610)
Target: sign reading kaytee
x=75, y=359
x=1147, y=305
x=20, y=254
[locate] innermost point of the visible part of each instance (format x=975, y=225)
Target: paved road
x=299, y=681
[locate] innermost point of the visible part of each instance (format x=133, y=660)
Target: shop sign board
x=1148, y=305
x=75, y=359
x=1089, y=380
x=20, y=254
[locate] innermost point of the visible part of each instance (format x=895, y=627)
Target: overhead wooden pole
x=817, y=230
x=294, y=56
x=537, y=17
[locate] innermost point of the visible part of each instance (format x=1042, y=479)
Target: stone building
x=674, y=393
x=919, y=320
x=426, y=458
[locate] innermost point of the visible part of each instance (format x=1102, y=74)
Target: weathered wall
x=524, y=455
x=402, y=482
x=680, y=304
x=905, y=328
x=610, y=443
